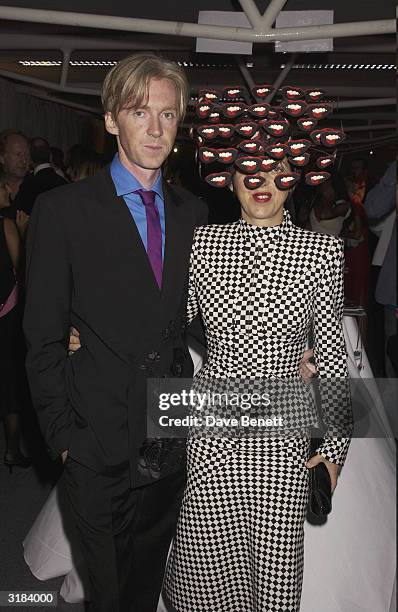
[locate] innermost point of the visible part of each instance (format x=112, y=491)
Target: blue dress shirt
x=125, y=184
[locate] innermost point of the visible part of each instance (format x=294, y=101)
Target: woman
x=331, y=209
x=258, y=284
x=10, y=338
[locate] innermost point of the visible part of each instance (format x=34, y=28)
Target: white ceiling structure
x=62, y=51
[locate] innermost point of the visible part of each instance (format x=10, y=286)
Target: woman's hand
x=332, y=468
x=307, y=369
x=74, y=341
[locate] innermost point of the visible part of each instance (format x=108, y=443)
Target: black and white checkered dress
x=239, y=541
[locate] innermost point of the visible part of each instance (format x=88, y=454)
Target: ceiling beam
x=271, y=13
x=371, y=116
x=363, y=103
x=39, y=42
x=371, y=128
x=49, y=85
x=193, y=30
x=65, y=67
x=31, y=91
x=251, y=11
x=281, y=77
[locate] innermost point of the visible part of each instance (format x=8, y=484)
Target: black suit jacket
x=33, y=186
x=87, y=267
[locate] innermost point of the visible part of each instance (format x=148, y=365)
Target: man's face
x=145, y=135
x=16, y=157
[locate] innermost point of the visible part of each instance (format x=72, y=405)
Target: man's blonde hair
x=126, y=85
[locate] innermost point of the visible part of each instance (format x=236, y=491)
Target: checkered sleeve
x=192, y=300
x=331, y=359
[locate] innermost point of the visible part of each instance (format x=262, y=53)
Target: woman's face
x=262, y=206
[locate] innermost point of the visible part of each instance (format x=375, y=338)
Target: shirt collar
x=41, y=167
x=253, y=232
x=125, y=181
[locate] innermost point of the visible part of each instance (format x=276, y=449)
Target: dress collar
x=253, y=232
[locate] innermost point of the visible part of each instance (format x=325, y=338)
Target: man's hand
x=307, y=369
x=22, y=222
x=332, y=468
x=74, y=341
x=64, y=455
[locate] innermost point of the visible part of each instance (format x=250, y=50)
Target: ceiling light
x=39, y=63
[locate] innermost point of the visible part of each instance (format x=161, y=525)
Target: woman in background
x=10, y=338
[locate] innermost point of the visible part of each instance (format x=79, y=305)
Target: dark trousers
x=124, y=534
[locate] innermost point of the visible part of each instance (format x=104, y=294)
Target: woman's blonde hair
x=126, y=85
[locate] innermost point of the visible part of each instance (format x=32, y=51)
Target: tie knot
x=147, y=197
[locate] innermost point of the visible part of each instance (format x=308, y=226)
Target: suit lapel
x=173, y=266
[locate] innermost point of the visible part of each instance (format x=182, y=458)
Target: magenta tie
x=154, y=233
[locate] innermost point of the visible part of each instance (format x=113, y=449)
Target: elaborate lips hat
x=255, y=137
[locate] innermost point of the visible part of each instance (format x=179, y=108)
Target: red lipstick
x=262, y=197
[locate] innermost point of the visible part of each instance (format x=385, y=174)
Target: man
x=109, y=255
x=43, y=179
x=381, y=209
x=14, y=160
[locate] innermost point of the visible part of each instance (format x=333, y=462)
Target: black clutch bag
x=320, y=502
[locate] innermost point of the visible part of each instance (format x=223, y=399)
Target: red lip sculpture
x=294, y=109
x=316, y=136
x=276, y=127
x=208, y=95
x=319, y=111
x=276, y=151
x=259, y=110
x=248, y=165
x=332, y=138
x=232, y=93
x=253, y=147
x=232, y=110
x=268, y=164
x=225, y=130
x=297, y=147
x=292, y=93
x=253, y=182
x=316, y=178
x=203, y=110
x=300, y=160
x=307, y=124
x=324, y=162
x=207, y=155
x=261, y=91
x=227, y=156
x=219, y=179
x=314, y=95
x=214, y=117
x=208, y=132
x=257, y=136
x=286, y=181
x=246, y=130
